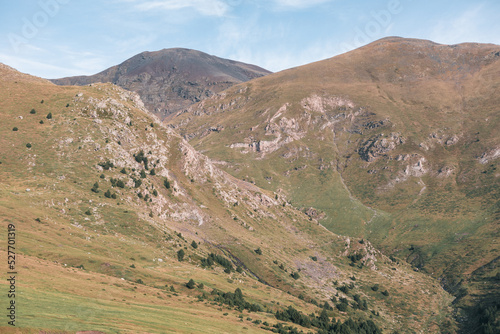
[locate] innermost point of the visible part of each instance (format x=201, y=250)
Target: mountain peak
x=170, y=80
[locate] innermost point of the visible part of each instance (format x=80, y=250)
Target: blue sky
x=57, y=38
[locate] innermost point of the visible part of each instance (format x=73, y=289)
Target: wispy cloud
x=29, y=66
x=466, y=27
x=205, y=7
x=299, y=4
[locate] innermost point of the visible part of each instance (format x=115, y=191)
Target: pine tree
x=191, y=284
x=180, y=255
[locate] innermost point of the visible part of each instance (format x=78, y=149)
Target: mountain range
x=356, y=194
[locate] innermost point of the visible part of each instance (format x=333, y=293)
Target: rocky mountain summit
x=170, y=80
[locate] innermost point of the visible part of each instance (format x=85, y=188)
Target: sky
x=58, y=38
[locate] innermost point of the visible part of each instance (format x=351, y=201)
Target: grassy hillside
x=114, y=214
x=395, y=142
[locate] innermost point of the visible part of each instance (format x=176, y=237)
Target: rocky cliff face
x=172, y=79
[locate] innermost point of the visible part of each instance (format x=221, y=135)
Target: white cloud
x=205, y=7
x=298, y=4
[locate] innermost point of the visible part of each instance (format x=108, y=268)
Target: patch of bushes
x=221, y=260
x=106, y=165
x=235, y=299
x=356, y=257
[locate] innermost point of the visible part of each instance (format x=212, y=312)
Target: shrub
x=258, y=251
x=314, y=258
x=114, y=196
x=194, y=244
x=132, y=265
x=180, y=255
x=152, y=172
x=123, y=171
x=166, y=183
x=120, y=184
x=95, y=187
x=102, y=176
x=137, y=183
x=375, y=287
x=33, y=111
x=41, y=121
x=295, y=275
x=356, y=257
x=385, y=293
x=239, y=269
x=28, y=145
x=139, y=281
x=15, y=129
x=49, y=115
x=140, y=157
x=88, y=213
x=143, y=174
x=155, y=192
x=67, y=105
x=107, y=194
x=342, y=307
x=201, y=286
x=42, y=101
x=191, y=284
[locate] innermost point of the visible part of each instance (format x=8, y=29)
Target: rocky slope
x=172, y=79
x=115, y=213
x=395, y=142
